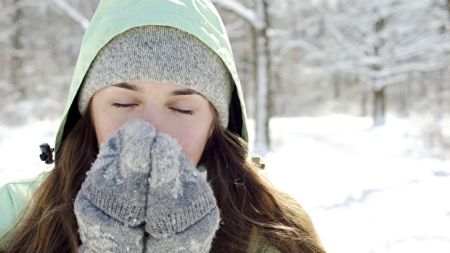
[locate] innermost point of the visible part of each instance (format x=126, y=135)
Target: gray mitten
x=141, y=176
x=182, y=213
x=110, y=206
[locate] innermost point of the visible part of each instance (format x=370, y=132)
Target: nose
x=152, y=114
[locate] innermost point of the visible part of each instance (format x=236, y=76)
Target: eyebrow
x=127, y=86
x=183, y=92
x=180, y=92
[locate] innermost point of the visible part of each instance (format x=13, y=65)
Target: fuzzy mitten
x=182, y=213
x=142, y=181
x=110, y=206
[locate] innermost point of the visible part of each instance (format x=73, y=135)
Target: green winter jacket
x=112, y=17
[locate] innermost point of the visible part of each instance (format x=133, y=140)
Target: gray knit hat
x=162, y=54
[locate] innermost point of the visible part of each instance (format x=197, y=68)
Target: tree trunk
x=262, y=111
x=379, y=105
x=448, y=6
x=364, y=99
x=337, y=85
x=439, y=111
x=379, y=102
x=404, y=96
x=16, y=55
x=364, y=104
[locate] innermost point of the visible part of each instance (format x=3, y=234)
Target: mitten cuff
x=121, y=210
x=163, y=223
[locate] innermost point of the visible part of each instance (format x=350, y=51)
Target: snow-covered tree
x=39, y=43
x=386, y=40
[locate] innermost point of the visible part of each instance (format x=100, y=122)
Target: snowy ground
x=367, y=190
x=19, y=149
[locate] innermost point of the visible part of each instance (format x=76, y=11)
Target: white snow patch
x=19, y=149
x=367, y=190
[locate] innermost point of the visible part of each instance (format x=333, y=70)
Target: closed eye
x=118, y=105
x=189, y=112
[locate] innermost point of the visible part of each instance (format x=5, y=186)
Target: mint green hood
x=112, y=17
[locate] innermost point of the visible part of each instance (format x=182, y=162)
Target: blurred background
x=349, y=103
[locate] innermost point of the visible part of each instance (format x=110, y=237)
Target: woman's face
x=180, y=112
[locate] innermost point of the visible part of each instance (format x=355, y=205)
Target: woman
x=151, y=155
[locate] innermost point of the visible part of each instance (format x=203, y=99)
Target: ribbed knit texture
x=142, y=182
x=162, y=54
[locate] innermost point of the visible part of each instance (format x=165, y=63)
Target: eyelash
x=117, y=105
x=188, y=112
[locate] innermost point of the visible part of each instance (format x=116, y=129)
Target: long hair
x=245, y=199
x=49, y=224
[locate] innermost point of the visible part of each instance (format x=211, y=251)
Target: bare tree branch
x=73, y=13
x=242, y=11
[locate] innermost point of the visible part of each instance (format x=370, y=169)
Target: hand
x=110, y=207
x=143, y=179
x=182, y=214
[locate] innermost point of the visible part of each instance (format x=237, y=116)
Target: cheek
x=105, y=131
x=106, y=125
x=193, y=141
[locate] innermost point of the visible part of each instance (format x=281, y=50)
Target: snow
x=377, y=190
x=19, y=149
x=367, y=190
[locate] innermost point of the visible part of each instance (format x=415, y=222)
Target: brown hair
x=49, y=224
x=247, y=201
x=245, y=198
